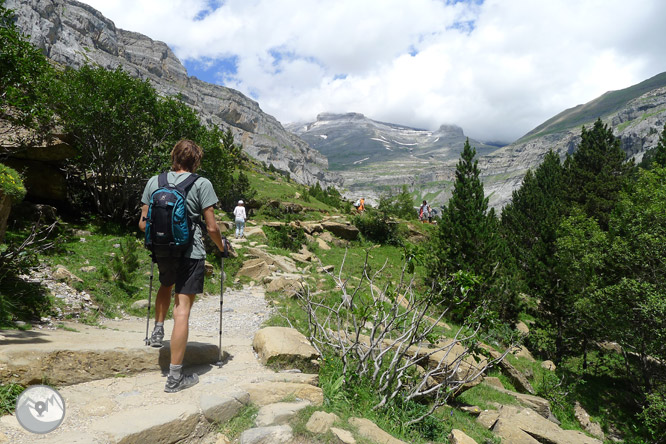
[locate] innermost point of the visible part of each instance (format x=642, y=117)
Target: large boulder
x=285, y=285
x=285, y=348
x=256, y=269
x=371, y=431
x=343, y=231
x=513, y=424
x=283, y=263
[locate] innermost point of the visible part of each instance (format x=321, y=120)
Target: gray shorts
x=187, y=274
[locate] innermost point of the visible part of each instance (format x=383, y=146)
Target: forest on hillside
x=579, y=254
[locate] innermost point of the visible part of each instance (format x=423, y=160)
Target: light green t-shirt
x=201, y=196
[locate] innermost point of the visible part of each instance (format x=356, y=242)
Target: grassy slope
x=599, y=107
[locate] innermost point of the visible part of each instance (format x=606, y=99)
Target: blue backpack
x=169, y=229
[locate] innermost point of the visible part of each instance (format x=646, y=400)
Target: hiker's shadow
x=201, y=356
x=22, y=337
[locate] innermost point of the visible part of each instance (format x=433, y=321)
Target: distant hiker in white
x=239, y=214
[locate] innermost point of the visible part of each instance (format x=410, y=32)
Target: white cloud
x=497, y=69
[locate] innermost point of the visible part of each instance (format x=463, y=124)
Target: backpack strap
x=184, y=186
x=162, y=180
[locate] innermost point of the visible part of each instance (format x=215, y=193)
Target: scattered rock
x=493, y=381
x=548, y=365
x=344, y=436
x=209, y=269
x=88, y=269
x=254, y=269
x=278, y=413
x=513, y=424
x=288, y=286
x=522, y=327
x=369, y=430
x=284, y=347
x=343, y=231
x=326, y=269
x=63, y=274
x=140, y=304
x=320, y=422
x=222, y=439
x=471, y=409
x=539, y=405
x=459, y=437
x=267, y=435
x=517, y=378
x=322, y=243
x=590, y=427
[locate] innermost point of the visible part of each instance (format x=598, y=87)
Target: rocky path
x=134, y=407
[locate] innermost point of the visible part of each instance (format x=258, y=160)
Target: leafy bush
x=285, y=236
x=376, y=226
x=11, y=184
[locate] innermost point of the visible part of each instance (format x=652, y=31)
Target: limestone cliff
x=73, y=33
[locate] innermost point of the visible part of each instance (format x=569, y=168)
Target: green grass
x=238, y=424
x=112, y=294
x=9, y=393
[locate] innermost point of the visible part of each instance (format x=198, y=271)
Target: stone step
x=65, y=357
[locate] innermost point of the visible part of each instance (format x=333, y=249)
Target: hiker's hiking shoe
x=186, y=381
x=157, y=337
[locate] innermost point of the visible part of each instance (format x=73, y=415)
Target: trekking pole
x=219, y=361
x=150, y=294
x=225, y=253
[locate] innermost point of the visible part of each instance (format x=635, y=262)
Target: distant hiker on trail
x=240, y=216
x=423, y=212
x=360, y=205
x=431, y=213
x=183, y=269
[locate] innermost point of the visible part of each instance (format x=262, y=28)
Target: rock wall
x=72, y=34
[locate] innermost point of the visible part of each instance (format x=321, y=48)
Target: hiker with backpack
x=239, y=219
x=173, y=203
x=423, y=212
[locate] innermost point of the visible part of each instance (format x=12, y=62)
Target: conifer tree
x=597, y=172
x=466, y=239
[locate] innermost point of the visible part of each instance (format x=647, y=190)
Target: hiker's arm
x=213, y=229
x=142, y=220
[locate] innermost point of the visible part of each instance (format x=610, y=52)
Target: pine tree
x=597, y=172
x=466, y=239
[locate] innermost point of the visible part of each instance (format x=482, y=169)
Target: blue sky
x=497, y=68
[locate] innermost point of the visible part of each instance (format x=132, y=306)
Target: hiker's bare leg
x=181, y=317
x=162, y=302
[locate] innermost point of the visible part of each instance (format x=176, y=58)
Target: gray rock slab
x=221, y=408
x=164, y=426
x=279, y=413
x=267, y=435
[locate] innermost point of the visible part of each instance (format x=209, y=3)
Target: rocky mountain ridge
x=373, y=157
x=72, y=34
